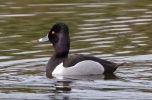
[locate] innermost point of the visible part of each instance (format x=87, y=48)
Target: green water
x=117, y=30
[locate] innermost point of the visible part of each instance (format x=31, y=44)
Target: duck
x=77, y=64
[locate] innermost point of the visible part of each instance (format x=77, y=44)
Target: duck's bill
x=43, y=39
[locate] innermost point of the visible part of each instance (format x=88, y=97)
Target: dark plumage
x=109, y=67
x=61, y=64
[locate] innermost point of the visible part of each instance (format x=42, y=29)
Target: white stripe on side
x=87, y=67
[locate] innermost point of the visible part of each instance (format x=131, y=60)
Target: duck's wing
x=109, y=66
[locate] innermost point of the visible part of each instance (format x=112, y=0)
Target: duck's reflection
x=86, y=77
x=63, y=84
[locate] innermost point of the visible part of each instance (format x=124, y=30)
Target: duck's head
x=59, y=37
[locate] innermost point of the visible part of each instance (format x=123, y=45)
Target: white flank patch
x=87, y=67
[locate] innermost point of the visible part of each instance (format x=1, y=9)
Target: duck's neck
x=61, y=54
x=62, y=46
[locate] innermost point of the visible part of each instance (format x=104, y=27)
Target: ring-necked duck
x=77, y=64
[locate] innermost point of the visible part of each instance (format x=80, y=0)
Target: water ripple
x=103, y=42
x=27, y=52
x=97, y=39
x=87, y=32
x=131, y=21
x=69, y=12
x=86, y=36
x=10, y=63
x=123, y=32
x=139, y=58
x=121, y=18
x=148, y=12
x=13, y=36
x=123, y=52
x=17, y=15
x=97, y=20
x=90, y=14
x=135, y=10
x=6, y=57
x=70, y=4
x=92, y=5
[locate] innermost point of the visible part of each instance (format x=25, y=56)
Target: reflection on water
x=115, y=30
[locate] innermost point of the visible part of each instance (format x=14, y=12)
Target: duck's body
x=87, y=67
x=77, y=64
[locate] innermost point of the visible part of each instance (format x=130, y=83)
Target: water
x=119, y=31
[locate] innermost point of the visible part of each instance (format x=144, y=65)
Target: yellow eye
x=53, y=32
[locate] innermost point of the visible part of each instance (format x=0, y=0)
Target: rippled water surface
x=117, y=30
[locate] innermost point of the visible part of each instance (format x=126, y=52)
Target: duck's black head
x=59, y=37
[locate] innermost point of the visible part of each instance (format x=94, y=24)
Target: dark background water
x=117, y=30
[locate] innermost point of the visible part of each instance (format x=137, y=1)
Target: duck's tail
x=120, y=64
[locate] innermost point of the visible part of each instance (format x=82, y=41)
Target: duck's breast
x=86, y=67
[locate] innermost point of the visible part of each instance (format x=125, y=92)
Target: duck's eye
x=53, y=32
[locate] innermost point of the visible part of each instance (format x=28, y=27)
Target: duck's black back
x=109, y=67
